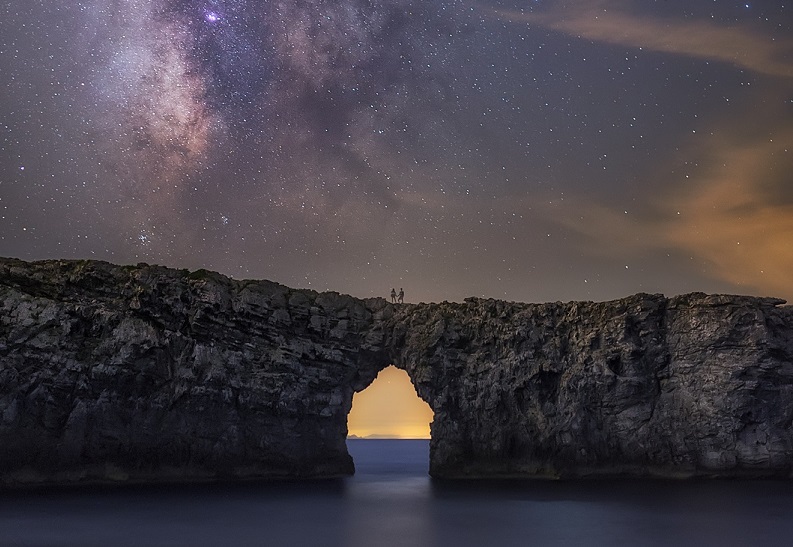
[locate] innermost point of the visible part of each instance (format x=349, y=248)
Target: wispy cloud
x=733, y=219
x=604, y=21
x=734, y=212
x=732, y=215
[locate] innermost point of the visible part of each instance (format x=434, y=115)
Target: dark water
x=391, y=501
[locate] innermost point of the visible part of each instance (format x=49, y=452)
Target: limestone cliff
x=643, y=386
x=146, y=373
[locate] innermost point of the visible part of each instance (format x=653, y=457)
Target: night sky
x=524, y=150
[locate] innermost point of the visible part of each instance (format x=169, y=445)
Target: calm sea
x=391, y=501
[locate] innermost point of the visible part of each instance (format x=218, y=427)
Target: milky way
x=312, y=94
x=520, y=150
x=271, y=79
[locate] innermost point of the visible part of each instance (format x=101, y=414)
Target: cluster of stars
x=466, y=149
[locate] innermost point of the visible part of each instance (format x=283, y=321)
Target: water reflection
x=392, y=501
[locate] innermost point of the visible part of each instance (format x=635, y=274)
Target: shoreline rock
x=123, y=373
x=694, y=385
x=144, y=373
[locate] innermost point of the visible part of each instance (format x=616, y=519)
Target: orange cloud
x=604, y=22
x=735, y=214
x=730, y=216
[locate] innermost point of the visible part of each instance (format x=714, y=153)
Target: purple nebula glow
x=211, y=17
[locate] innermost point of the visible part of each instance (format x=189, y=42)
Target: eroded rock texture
x=148, y=373
x=691, y=385
x=145, y=373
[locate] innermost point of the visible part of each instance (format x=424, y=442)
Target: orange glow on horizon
x=389, y=408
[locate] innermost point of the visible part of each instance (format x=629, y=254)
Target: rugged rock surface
x=145, y=373
x=643, y=386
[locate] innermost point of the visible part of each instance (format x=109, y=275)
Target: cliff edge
x=144, y=373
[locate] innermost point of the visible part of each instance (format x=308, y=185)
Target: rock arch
x=145, y=373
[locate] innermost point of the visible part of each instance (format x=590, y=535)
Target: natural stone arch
x=148, y=373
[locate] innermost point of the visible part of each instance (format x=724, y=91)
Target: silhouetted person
x=393, y=296
x=401, y=295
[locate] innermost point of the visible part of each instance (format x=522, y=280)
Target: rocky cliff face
x=643, y=386
x=146, y=373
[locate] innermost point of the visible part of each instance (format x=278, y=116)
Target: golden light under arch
x=389, y=408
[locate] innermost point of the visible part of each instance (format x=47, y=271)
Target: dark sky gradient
x=525, y=150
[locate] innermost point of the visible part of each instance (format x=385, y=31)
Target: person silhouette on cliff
x=401, y=295
x=393, y=296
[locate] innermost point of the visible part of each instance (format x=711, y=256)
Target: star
x=294, y=140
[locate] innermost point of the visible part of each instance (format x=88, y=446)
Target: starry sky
x=531, y=150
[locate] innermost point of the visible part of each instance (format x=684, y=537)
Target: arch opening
x=389, y=408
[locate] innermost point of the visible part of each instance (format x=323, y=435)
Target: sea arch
x=146, y=373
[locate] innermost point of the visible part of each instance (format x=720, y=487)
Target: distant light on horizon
x=389, y=408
